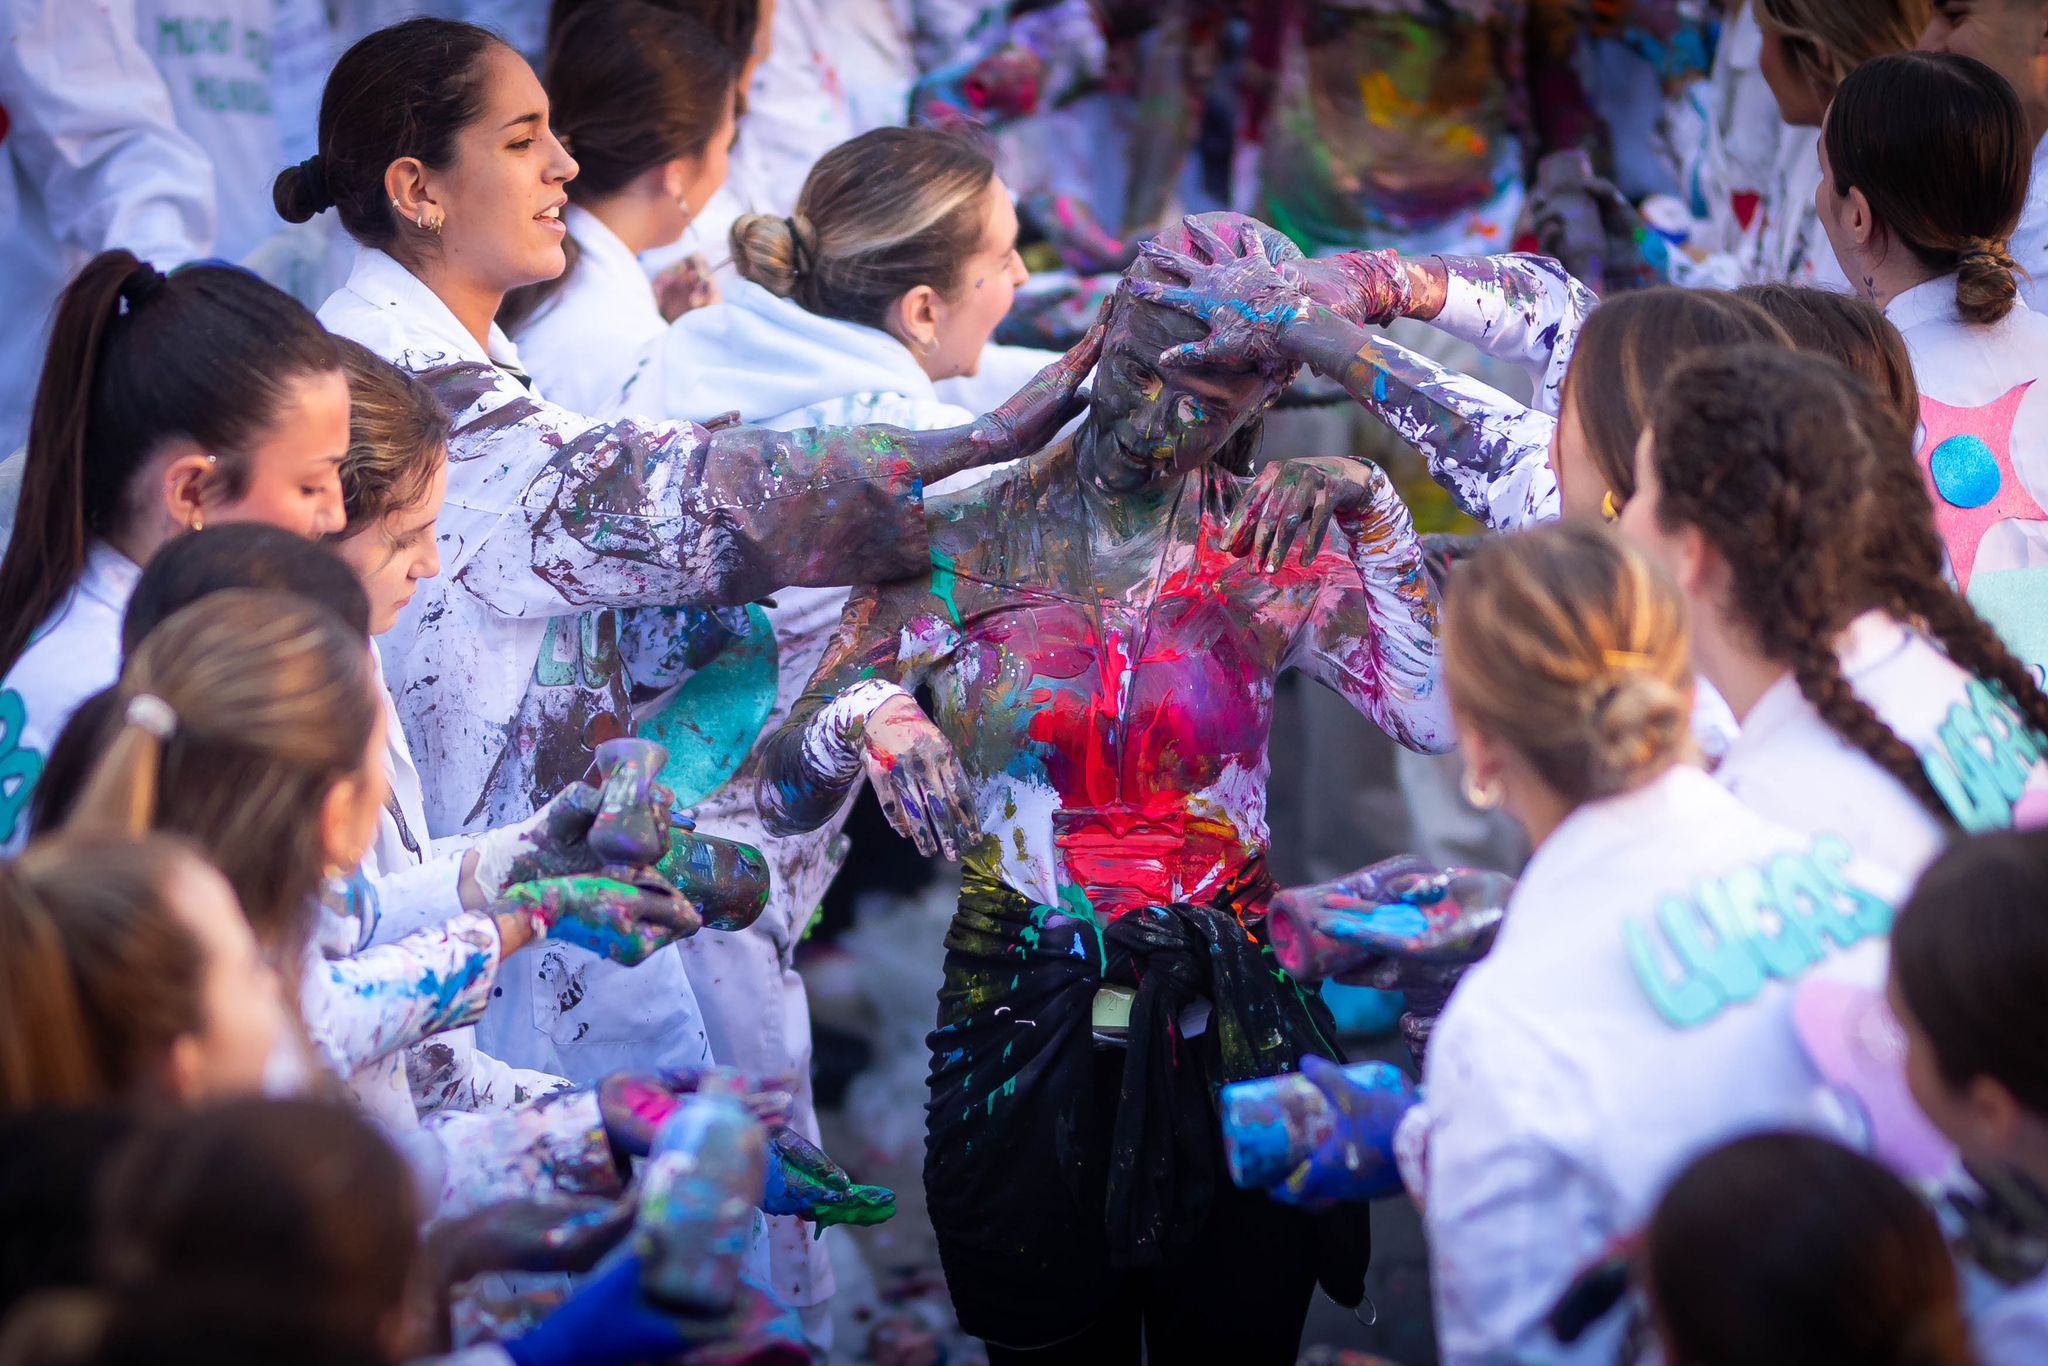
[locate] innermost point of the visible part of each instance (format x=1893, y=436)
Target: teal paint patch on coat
x=712, y=722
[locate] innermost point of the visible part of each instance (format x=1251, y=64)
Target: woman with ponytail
x=648, y=98
x=1875, y=703
x=1926, y=158
x=166, y=403
x=436, y=150
x=1622, y=1022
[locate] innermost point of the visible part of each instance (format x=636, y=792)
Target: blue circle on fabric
x=1965, y=471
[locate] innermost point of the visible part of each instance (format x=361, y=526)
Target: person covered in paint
x=890, y=276
x=1782, y=1249
x=1921, y=211
x=1875, y=704
x=1967, y=963
x=166, y=402
x=509, y=667
x=1617, y=1028
x=1100, y=629
x=648, y=98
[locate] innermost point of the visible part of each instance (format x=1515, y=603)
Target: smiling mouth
x=552, y=217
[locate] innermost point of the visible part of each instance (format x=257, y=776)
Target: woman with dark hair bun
x=1925, y=159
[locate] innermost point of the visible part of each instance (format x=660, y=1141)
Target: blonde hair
x=1825, y=40
x=397, y=439
x=880, y=215
x=229, y=725
x=1570, y=648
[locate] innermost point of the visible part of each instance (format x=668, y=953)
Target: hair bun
x=141, y=285
x=766, y=249
x=301, y=191
x=1986, y=280
x=1634, y=722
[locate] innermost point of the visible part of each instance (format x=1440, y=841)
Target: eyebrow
x=523, y=118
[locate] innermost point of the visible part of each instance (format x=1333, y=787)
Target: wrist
x=834, y=744
x=517, y=928
x=1428, y=288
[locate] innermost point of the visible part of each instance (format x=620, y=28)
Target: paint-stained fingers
x=955, y=804
x=1166, y=259
x=1320, y=515
x=923, y=775
x=911, y=798
x=1179, y=298
x=669, y=913
x=1205, y=241
x=892, y=809
x=1236, y=531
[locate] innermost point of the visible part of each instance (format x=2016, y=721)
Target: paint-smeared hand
x=1371, y=288
x=1295, y=501
x=804, y=1181
x=1251, y=306
x=634, y=1106
x=918, y=778
x=626, y=921
x=563, y=1233
x=625, y=820
x=1356, y=1162
x=767, y=1098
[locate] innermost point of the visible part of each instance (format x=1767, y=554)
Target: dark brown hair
x=1850, y=331
x=403, y=91
x=631, y=86
x=1787, y=1250
x=1570, y=647
x=397, y=439
x=1796, y=474
x=98, y=974
x=239, y=555
x=1969, y=955
x=209, y=354
x=879, y=215
x=1627, y=347
x=1939, y=145
x=736, y=24
x=274, y=705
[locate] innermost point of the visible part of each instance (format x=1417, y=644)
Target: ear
x=405, y=185
x=1858, y=218
x=1994, y=1113
x=185, y=1071
x=915, y=318
x=1482, y=756
x=184, y=485
x=1700, y=569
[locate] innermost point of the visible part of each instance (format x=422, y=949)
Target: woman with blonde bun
x=1636, y=1009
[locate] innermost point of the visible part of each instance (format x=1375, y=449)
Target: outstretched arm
x=1491, y=452
x=857, y=716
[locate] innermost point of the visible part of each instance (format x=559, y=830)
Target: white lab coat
x=1981, y=385
x=778, y=366
x=1625, y=1021
x=561, y=538
x=582, y=344
x=1788, y=765
x=74, y=654
x=1728, y=161
x=215, y=56
x=92, y=159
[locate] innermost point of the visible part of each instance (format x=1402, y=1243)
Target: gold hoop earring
x=1607, y=507
x=1482, y=796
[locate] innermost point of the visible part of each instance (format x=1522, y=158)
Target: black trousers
x=1240, y=1294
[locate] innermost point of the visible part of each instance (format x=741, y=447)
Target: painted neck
x=1127, y=499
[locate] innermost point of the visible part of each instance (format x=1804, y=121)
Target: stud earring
x=1484, y=796
x=198, y=522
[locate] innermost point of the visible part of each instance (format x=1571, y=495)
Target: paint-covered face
x=392, y=557
x=295, y=469
x=501, y=197
x=242, y=1010
x=1150, y=420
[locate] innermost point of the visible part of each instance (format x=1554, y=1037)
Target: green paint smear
x=942, y=583
x=1075, y=903
x=858, y=1207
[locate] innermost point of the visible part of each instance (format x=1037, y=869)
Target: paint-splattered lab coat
x=507, y=668
x=1611, y=1036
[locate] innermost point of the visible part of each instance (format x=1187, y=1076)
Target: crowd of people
x=492, y=483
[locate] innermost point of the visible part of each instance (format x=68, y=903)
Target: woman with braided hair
x=1875, y=703
x=1925, y=162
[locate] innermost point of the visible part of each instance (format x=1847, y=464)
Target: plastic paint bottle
x=703, y=1174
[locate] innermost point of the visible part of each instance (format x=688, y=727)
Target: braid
x=1770, y=454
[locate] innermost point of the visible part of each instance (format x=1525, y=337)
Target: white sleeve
x=94, y=129
x=1512, y=1215
x=1520, y=309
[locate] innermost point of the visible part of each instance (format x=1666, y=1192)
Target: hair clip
x=1627, y=659
x=151, y=713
